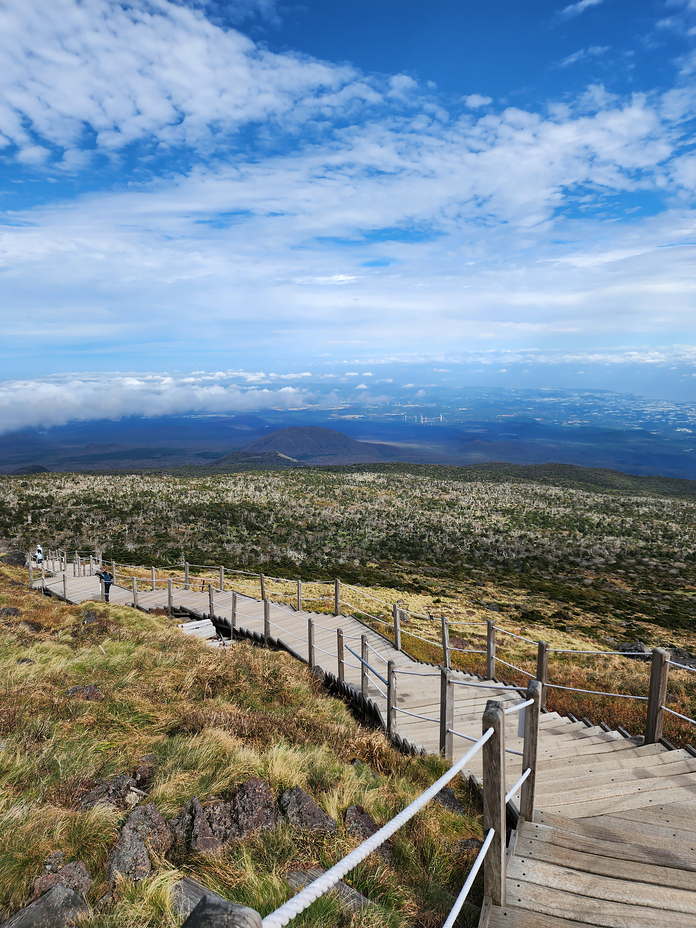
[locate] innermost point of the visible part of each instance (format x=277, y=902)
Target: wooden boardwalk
x=613, y=840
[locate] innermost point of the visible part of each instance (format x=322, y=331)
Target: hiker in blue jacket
x=107, y=579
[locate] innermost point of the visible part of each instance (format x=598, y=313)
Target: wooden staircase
x=612, y=839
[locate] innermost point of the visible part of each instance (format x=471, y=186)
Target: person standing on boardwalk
x=107, y=579
x=38, y=556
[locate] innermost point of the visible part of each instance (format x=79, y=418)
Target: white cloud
x=82, y=397
x=575, y=9
x=591, y=51
x=475, y=100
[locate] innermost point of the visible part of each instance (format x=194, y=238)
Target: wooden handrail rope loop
x=289, y=910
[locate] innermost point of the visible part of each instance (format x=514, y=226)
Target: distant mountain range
x=279, y=439
x=311, y=445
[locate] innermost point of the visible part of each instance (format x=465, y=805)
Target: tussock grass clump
x=212, y=719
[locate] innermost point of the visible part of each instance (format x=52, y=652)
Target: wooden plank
x=626, y=781
x=513, y=917
x=648, y=757
x=629, y=846
x=591, y=911
x=598, y=886
x=618, y=868
x=637, y=795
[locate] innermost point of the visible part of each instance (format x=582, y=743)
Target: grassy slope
x=213, y=719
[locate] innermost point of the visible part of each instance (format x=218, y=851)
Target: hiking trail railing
x=329, y=593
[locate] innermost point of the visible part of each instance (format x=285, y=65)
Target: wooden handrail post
x=233, y=614
x=113, y=570
x=337, y=597
x=490, y=649
x=101, y=589
x=446, y=657
x=186, y=575
x=65, y=588
x=222, y=579
x=263, y=587
x=391, y=698
x=340, y=655
x=153, y=579
x=363, y=665
x=31, y=575
x=530, y=749
x=656, y=696
x=543, y=670
x=74, y=565
x=396, y=615
x=310, y=642
x=494, y=801
x=211, y=602
x=266, y=621
x=135, y=593
x=170, y=596
x=299, y=596
x=446, y=714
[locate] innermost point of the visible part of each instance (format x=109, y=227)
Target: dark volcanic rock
x=682, y=656
x=89, y=617
x=468, y=844
x=25, y=660
x=449, y=801
x=252, y=809
x=58, y=908
x=85, y=692
x=203, y=840
x=9, y=612
x=54, y=861
x=210, y=913
x=361, y=825
x=144, y=829
x=349, y=898
x=187, y=893
x=627, y=647
x=119, y=791
x=303, y=812
x=74, y=875
x=145, y=770
x=15, y=559
x=181, y=827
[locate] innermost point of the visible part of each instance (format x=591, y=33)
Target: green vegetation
x=212, y=718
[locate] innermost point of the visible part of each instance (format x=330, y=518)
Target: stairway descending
x=613, y=839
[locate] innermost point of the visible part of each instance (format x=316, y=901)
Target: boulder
x=88, y=692
x=303, y=812
x=449, y=801
x=145, y=770
x=181, y=827
x=361, y=825
x=251, y=809
x=129, y=859
x=203, y=840
x=89, y=617
x=54, y=861
x=9, y=612
x=468, y=844
x=187, y=893
x=74, y=875
x=630, y=647
x=210, y=913
x=25, y=660
x=350, y=898
x=58, y=908
x=120, y=792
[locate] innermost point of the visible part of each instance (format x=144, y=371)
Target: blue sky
x=286, y=187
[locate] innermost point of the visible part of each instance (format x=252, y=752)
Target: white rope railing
x=679, y=715
x=469, y=738
x=415, y=715
x=289, y=910
x=518, y=706
x=473, y=873
x=512, y=667
x=682, y=666
x=511, y=792
x=575, y=689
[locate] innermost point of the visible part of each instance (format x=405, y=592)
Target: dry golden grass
x=212, y=718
